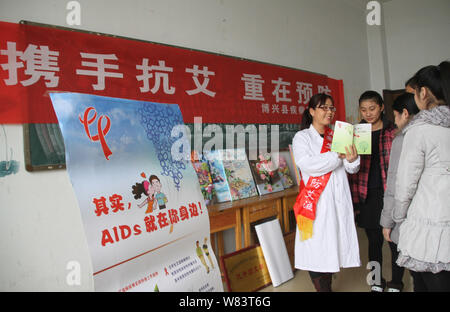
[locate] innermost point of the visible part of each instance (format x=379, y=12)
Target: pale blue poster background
x=125, y=255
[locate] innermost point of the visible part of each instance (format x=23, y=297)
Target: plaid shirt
x=359, y=180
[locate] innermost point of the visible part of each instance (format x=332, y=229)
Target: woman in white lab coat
x=334, y=243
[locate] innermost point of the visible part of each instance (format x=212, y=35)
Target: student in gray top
x=422, y=197
x=404, y=108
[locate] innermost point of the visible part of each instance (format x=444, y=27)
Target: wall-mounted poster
x=144, y=215
x=219, y=88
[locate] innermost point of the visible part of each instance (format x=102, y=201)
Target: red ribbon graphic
x=101, y=132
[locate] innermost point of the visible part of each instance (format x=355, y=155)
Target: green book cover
x=362, y=137
x=346, y=134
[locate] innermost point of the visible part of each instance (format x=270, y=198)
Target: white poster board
x=144, y=216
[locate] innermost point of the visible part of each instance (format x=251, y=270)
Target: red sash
x=306, y=202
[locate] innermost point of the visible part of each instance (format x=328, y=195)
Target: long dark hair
x=142, y=188
x=138, y=189
x=316, y=100
x=405, y=101
x=436, y=79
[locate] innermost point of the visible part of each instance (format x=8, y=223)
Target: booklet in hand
x=346, y=134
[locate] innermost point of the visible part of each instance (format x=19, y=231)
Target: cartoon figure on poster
x=155, y=198
x=160, y=196
x=145, y=188
x=200, y=256
x=206, y=252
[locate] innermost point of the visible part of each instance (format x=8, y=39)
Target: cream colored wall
x=40, y=224
x=413, y=34
x=417, y=35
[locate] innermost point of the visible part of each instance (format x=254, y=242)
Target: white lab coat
x=334, y=243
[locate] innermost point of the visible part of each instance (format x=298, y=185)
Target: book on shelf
x=231, y=174
x=218, y=176
x=286, y=169
x=238, y=174
x=203, y=171
x=265, y=172
x=346, y=134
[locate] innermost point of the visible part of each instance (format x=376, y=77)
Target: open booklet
x=345, y=134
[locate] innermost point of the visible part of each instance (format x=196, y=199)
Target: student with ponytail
x=422, y=197
x=326, y=237
x=369, y=183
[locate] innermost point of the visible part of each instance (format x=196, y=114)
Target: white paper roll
x=275, y=252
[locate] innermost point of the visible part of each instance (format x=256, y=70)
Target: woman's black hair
x=138, y=189
x=316, y=100
x=411, y=82
x=436, y=79
x=371, y=95
x=405, y=101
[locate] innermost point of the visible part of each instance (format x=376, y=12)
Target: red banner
x=36, y=60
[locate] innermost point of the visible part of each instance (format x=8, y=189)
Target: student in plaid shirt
x=369, y=184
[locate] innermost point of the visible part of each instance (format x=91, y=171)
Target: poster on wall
x=36, y=60
x=144, y=216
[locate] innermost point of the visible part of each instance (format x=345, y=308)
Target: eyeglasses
x=326, y=108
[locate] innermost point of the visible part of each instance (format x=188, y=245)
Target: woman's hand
x=351, y=154
x=387, y=234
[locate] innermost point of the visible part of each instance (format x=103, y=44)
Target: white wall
x=40, y=223
x=415, y=33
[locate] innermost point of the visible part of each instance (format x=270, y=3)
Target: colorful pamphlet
x=346, y=134
x=218, y=176
x=205, y=181
x=284, y=169
x=267, y=177
x=238, y=173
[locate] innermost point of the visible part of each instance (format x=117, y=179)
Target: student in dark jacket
x=369, y=184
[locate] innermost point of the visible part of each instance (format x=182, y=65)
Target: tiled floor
x=347, y=280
